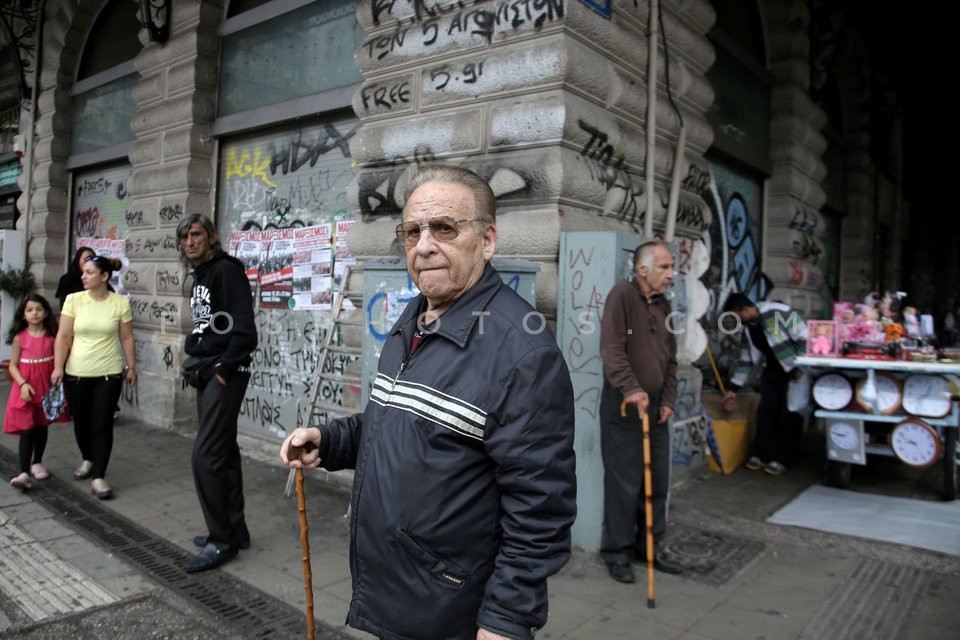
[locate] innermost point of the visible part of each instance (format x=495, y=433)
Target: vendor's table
x=946, y=427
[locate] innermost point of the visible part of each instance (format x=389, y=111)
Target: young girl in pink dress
x=31, y=339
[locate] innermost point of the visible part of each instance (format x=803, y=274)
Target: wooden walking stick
x=294, y=454
x=647, y=498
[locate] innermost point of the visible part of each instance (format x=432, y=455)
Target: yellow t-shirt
x=96, y=332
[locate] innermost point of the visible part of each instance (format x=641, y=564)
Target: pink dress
x=36, y=365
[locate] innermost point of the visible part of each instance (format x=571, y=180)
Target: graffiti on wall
x=421, y=26
x=731, y=240
x=101, y=204
x=290, y=179
x=285, y=366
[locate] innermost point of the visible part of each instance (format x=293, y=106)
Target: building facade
x=769, y=167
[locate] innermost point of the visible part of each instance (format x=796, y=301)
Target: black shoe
x=620, y=571
x=201, y=541
x=210, y=557
x=663, y=562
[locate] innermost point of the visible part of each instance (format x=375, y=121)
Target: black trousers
x=92, y=403
x=779, y=431
x=216, y=459
x=33, y=442
x=621, y=447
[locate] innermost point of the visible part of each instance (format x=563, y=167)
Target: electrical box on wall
x=11, y=255
x=591, y=262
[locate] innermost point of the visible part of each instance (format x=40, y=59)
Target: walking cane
x=294, y=454
x=647, y=499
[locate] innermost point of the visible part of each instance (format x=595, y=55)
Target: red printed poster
x=245, y=246
x=276, y=269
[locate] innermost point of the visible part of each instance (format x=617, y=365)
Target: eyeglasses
x=442, y=228
x=94, y=258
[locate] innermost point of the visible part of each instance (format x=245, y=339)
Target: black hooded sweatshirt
x=222, y=310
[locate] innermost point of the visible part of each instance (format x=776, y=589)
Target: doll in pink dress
x=31, y=339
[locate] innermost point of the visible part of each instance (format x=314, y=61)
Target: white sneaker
x=39, y=472
x=21, y=481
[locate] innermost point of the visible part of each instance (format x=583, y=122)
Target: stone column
x=793, y=243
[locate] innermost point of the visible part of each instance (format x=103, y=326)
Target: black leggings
x=33, y=442
x=92, y=402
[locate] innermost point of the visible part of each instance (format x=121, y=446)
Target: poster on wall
x=282, y=198
x=276, y=268
x=245, y=247
x=312, y=268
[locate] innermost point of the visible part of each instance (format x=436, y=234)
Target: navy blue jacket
x=465, y=482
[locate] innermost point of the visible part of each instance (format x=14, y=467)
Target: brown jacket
x=638, y=351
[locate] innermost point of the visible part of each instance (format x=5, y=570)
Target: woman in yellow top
x=90, y=323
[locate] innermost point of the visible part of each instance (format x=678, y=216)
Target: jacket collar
x=457, y=323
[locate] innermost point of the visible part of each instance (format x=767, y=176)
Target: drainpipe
x=652, y=37
x=675, y=185
x=28, y=142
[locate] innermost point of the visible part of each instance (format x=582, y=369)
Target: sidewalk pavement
x=746, y=579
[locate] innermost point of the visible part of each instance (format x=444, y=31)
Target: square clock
x=845, y=440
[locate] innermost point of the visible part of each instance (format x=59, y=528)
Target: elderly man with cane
x=464, y=487
x=639, y=369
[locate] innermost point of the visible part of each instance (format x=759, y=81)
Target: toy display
x=821, y=338
x=879, y=328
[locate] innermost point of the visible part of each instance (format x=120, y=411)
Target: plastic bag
x=798, y=395
x=54, y=402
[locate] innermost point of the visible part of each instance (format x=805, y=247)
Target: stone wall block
x=182, y=45
x=413, y=39
x=526, y=120
x=191, y=75
x=161, y=116
x=493, y=72
x=156, y=179
x=392, y=95
x=157, y=313
x=170, y=211
x=586, y=70
x=150, y=246
x=170, y=278
x=138, y=278
x=149, y=88
x=139, y=216
x=440, y=134
x=146, y=150
x=602, y=137
x=799, y=185
x=185, y=141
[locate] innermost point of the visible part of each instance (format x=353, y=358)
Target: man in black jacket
x=224, y=337
x=464, y=486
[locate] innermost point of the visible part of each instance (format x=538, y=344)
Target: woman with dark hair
x=70, y=282
x=87, y=360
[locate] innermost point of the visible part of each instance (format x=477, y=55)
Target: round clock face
x=832, y=391
x=915, y=443
x=927, y=396
x=888, y=393
x=844, y=435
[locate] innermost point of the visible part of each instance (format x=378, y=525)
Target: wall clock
x=832, y=391
x=882, y=388
x=845, y=441
x=915, y=443
x=927, y=396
